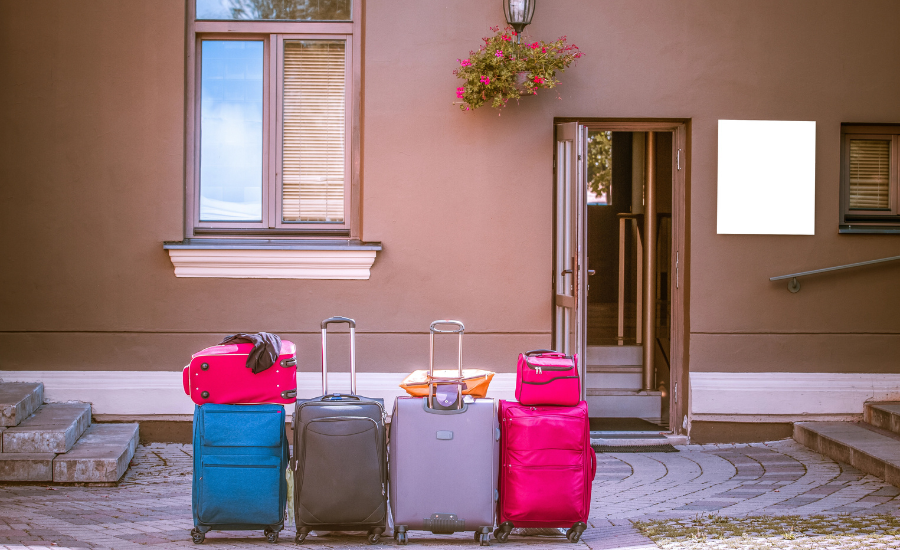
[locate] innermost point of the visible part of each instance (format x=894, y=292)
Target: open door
x=569, y=335
x=619, y=224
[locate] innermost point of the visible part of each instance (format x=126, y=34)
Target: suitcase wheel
x=197, y=536
x=400, y=535
x=483, y=538
x=271, y=536
x=374, y=536
x=574, y=534
x=301, y=535
x=503, y=530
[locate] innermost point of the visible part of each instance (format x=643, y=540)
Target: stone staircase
x=55, y=442
x=872, y=445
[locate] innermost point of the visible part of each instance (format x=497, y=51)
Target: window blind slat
x=313, y=131
x=870, y=161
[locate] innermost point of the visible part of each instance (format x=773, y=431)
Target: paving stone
x=152, y=504
x=53, y=428
x=101, y=455
x=26, y=466
x=19, y=400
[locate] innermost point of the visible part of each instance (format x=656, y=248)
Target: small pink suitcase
x=219, y=374
x=547, y=467
x=547, y=377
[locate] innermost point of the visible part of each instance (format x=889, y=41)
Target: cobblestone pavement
x=775, y=495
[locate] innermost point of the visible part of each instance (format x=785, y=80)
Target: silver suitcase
x=444, y=459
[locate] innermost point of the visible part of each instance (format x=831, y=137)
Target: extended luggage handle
x=460, y=328
x=352, y=324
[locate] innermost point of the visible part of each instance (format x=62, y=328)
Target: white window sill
x=272, y=259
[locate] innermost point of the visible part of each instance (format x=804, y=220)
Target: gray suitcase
x=444, y=461
x=339, y=457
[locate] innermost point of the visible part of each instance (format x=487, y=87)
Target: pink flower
x=538, y=80
x=464, y=62
x=459, y=92
x=505, y=37
x=485, y=80
x=543, y=50
x=535, y=46
x=499, y=53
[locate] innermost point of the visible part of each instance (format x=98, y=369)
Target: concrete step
x=614, y=377
x=874, y=451
x=884, y=415
x=18, y=401
x=101, y=455
x=614, y=355
x=54, y=428
x=619, y=403
x=26, y=466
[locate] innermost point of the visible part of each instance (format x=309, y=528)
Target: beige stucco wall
x=91, y=164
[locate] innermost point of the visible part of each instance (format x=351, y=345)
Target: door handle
x=591, y=272
x=566, y=271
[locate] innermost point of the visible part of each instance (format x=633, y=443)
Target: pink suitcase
x=547, y=377
x=219, y=374
x=547, y=466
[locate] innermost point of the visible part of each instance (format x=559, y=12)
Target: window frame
x=870, y=221
x=273, y=34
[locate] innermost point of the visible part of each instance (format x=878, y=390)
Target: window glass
x=870, y=161
x=313, y=151
x=231, y=130
x=285, y=10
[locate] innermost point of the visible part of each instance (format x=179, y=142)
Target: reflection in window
x=599, y=168
x=285, y=10
x=231, y=130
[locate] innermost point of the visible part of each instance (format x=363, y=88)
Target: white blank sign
x=767, y=177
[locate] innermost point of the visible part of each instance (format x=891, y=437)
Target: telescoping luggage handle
x=460, y=328
x=352, y=324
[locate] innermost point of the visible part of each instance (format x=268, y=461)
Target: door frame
x=679, y=421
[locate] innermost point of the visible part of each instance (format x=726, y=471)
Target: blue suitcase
x=240, y=456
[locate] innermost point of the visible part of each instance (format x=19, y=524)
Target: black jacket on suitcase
x=340, y=474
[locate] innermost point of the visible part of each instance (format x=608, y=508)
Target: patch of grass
x=794, y=532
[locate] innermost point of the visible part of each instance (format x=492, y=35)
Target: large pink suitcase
x=547, y=466
x=547, y=377
x=219, y=374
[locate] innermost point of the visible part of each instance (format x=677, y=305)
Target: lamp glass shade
x=518, y=13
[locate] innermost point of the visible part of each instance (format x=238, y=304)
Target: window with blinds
x=314, y=127
x=870, y=174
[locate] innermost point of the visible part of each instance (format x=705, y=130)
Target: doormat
x=665, y=448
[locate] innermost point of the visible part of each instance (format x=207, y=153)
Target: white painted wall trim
x=787, y=396
x=273, y=264
x=142, y=393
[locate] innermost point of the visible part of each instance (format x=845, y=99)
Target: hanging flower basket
x=505, y=68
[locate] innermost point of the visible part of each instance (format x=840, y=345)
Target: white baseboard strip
x=788, y=396
x=115, y=394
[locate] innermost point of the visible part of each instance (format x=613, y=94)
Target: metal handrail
x=794, y=284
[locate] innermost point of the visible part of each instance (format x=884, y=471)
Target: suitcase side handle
x=352, y=324
x=460, y=328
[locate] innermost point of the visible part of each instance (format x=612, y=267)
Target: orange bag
x=476, y=380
